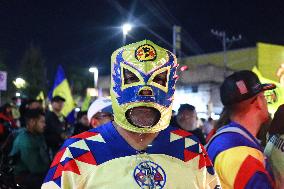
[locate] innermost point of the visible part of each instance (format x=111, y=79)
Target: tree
x=79, y=79
x=33, y=71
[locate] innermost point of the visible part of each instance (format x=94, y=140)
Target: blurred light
x=96, y=75
x=215, y=116
x=18, y=94
x=126, y=28
x=184, y=68
x=77, y=109
x=19, y=82
x=93, y=69
x=92, y=92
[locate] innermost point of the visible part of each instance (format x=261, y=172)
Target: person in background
x=100, y=112
x=30, y=152
x=208, y=126
x=186, y=119
x=34, y=104
x=16, y=102
x=223, y=120
x=22, y=109
x=56, y=125
x=235, y=151
x=275, y=147
x=82, y=123
x=27, y=104
x=7, y=122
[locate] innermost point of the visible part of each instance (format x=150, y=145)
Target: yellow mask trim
x=135, y=72
x=151, y=82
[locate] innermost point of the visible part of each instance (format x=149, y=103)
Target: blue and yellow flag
x=61, y=88
x=274, y=97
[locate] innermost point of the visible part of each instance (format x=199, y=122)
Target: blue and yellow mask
x=143, y=83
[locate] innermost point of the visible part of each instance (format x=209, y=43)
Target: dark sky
x=86, y=32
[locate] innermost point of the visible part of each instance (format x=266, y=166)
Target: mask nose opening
x=146, y=92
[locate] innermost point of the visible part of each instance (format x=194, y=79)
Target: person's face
x=189, y=118
x=8, y=110
x=101, y=118
x=34, y=105
x=144, y=116
x=57, y=105
x=143, y=87
x=38, y=125
x=84, y=120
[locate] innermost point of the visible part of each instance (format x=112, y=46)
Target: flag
x=86, y=103
x=40, y=96
x=274, y=97
x=61, y=88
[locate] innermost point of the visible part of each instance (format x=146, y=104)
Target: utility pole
x=226, y=43
x=177, y=40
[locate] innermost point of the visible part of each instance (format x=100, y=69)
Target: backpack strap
x=230, y=130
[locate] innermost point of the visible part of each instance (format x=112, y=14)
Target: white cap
x=98, y=105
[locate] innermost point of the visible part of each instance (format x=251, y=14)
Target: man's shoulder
x=88, y=148
x=90, y=142
x=226, y=141
x=174, y=130
x=50, y=113
x=183, y=142
x=22, y=136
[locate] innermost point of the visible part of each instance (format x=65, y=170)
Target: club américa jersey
x=101, y=158
x=238, y=159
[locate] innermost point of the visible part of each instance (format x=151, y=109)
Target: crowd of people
x=133, y=141
x=31, y=135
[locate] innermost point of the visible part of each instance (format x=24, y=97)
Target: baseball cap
x=240, y=86
x=101, y=104
x=57, y=99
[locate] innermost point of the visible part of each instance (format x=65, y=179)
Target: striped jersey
x=101, y=158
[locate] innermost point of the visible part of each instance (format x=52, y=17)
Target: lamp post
x=19, y=83
x=125, y=29
x=95, y=71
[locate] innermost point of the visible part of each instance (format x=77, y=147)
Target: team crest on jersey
x=145, y=53
x=149, y=175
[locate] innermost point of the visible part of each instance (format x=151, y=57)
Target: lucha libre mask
x=143, y=82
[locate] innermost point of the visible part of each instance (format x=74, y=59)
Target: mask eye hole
x=129, y=77
x=161, y=78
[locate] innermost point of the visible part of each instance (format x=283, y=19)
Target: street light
x=96, y=74
x=125, y=29
x=19, y=83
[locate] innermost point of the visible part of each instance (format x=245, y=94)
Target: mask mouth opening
x=143, y=117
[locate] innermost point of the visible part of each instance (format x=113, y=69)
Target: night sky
x=86, y=32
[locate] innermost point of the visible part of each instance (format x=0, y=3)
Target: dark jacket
x=80, y=128
x=55, y=128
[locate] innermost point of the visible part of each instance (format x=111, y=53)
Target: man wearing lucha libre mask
x=138, y=149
